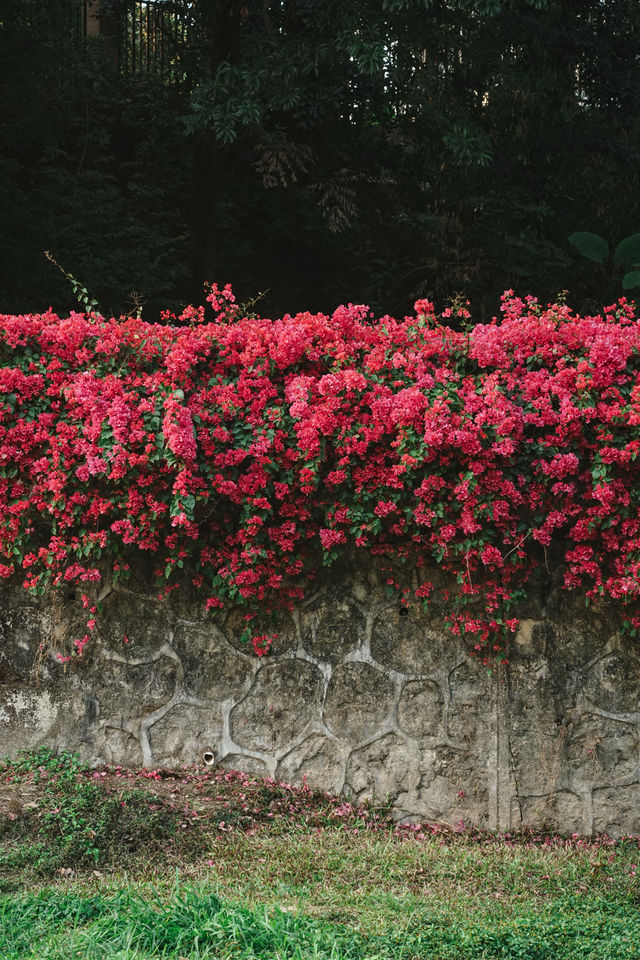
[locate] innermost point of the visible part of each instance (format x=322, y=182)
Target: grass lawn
x=135, y=865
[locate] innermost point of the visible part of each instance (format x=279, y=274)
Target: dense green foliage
x=367, y=151
x=91, y=168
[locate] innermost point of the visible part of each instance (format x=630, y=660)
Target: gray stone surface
x=318, y=761
x=355, y=696
x=360, y=698
x=184, y=734
x=420, y=711
x=283, y=700
x=407, y=643
x=559, y=811
x=213, y=669
x=384, y=769
x=331, y=627
x=251, y=765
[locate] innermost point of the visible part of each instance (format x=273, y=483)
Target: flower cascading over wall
x=242, y=453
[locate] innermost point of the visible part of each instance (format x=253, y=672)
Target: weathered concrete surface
x=356, y=696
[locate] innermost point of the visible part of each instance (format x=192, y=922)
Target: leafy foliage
x=590, y=245
x=626, y=254
x=382, y=152
x=75, y=820
x=628, y=251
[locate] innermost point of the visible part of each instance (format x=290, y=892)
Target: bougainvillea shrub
x=242, y=453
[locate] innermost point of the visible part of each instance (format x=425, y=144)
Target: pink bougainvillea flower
x=241, y=454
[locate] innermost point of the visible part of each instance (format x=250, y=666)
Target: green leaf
x=590, y=245
x=628, y=251
x=631, y=280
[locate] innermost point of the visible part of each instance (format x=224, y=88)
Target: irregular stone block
x=283, y=699
x=408, y=643
x=420, y=708
x=560, y=812
x=451, y=787
x=382, y=769
x=613, y=684
x=128, y=690
x=540, y=697
x=616, y=810
x=317, y=761
x=119, y=747
x=570, y=626
x=531, y=638
x=184, y=734
x=25, y=626
x=537, y=758
x=146, y=623
x=28, y=717
x=359, y=700
x=213, y=670
x=470, y=702
x=250, y=765
x=332, y=628
x=599, y=750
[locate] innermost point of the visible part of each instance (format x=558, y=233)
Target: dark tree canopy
x=371, y=151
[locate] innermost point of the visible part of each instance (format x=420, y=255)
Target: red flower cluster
x=246, y=452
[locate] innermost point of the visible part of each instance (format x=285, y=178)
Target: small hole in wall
x=209, y=757
x=403, y=612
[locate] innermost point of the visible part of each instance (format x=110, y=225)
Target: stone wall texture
x=357, y=696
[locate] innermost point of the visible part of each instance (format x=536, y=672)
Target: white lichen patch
x=36, y=711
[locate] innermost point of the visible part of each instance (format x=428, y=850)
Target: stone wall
x=357, y=695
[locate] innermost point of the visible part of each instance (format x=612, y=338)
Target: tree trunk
x=103, y=19
x=221, y=21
